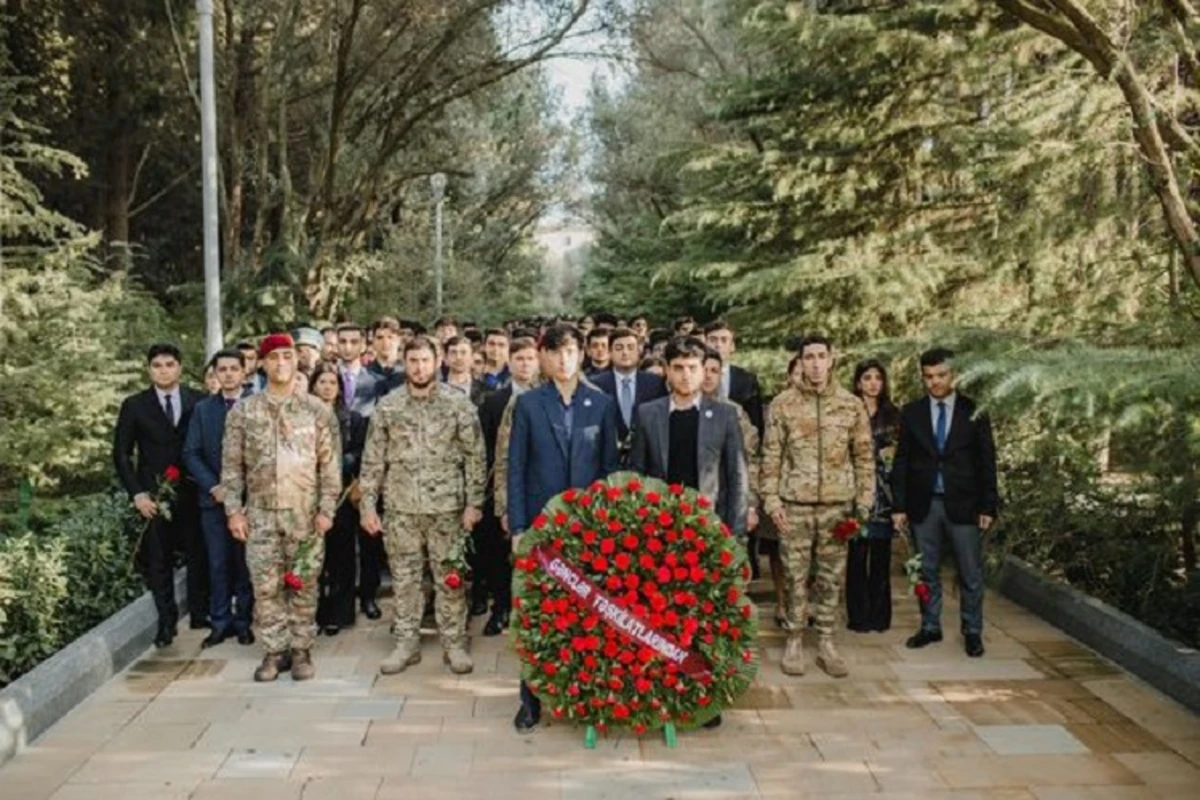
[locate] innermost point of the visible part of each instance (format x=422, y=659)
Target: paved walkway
x=1038, y=717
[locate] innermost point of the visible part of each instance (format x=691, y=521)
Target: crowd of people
x=319, y=458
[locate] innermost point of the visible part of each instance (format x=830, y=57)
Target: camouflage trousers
x=410, y=539
x=809, y=535
x=283, y=619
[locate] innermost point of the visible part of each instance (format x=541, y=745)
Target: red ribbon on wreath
x=616, y=616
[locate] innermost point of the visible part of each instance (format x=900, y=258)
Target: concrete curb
x=44, y=695
x=1170, y=667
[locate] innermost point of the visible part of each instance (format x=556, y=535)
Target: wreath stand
x=589, y=736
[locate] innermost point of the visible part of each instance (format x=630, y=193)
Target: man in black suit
x=944, y=483
x=153, y=424
x=626, y=384
x=493, y=573
x=737, y=385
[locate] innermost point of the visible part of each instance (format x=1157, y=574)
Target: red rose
x=589, y=537
x=747, y=611
x=623, y=562
x=634, y=485
x=654, y=498
x=689, y=534
x=570, y=495
x=560, y=518
x=703, y=502
x=600, y=564
x=685, y=508
x=292, y=581
x=625, y=657
x=602, y=514
x=576, y=527
x=540, y=521
x=675, y=489
x=550, y=668
x=620, y=711
x=453, y=581
x=654, y=546
x=613, y=583
x=640, y=728
x=557, y=711
x=658, y=602
x=613, y=494
x=923, y=593
x=691, y=558
x=682, y=573
x=646, y=561
x=607, y=546
x=171, y=473
x=643, y=512
x=630, y=542
x=726, y=558
x=707, y=608
x=611, y=649
x=663, y=575
x=590, y=621
x=696, y=574
x=732, y=596
x=632, y=581
x=703, y=700
x=585, y=500
x=672, y=536
x=665, y=519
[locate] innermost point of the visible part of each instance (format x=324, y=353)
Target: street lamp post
x=213, y=335
x=437, y=182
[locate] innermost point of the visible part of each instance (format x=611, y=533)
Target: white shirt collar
x=174, y=393
x=694, y=404
x=948, y=400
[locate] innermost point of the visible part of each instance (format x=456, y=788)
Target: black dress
x=869, y=560
x=335, y=605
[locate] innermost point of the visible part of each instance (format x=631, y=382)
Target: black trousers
x=371, y=560
x=156, y=560
x=492, y=563
x=868, y=584
x=335, y=603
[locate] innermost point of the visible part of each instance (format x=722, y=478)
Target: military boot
x=272, y=665
x=459, y=660
x=830, y=660
x=793, y=656
x=403, y=656
x=302, y=666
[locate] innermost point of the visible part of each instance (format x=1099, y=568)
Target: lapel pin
x=708, y=414
x=587, y=403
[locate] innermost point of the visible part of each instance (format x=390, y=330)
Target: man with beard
x=282, y=477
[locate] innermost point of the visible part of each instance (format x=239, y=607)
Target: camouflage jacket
x=750, y=444
x=818, y=449
x=423, y=455
x=500, y=470
x=281, y=454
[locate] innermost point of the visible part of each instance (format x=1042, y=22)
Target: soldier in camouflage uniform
x=281, y=471
x=818, y=467
x=425, y=456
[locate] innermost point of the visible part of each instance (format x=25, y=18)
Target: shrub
x=57, y=584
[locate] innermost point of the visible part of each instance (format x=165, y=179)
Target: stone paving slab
x=1038, y=718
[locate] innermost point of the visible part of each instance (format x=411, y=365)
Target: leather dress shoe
x=479, y=608
x=496, y=623
x=973, y=643
x=213, y=639
x=165, y=635
x=923, y=637
x=526, y=720
x=715, y=722
x=331, y=630
x=371, y=609
x=199, y=623
x=246, y=637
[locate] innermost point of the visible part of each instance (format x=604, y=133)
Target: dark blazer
x=721, y=459
x=386, y=379
x=202, y=446
x=142, y=425
x=367, y=384
x=968, y=464
x=647, y=387
x=746, y=392
x=543, y=461
x=353, y=428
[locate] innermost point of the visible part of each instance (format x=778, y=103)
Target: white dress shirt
x=174, y=394
x=933, y=413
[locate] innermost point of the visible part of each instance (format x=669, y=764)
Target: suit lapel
x=704, y=430
x=160, y=414
x=959, y=421
x=662, y=430
x=557, y=429
x=923, y=424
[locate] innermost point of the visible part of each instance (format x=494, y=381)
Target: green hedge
x=72, y=571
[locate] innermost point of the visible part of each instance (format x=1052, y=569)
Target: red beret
x=273, y=342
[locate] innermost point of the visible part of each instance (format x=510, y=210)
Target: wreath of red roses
x=630, y=607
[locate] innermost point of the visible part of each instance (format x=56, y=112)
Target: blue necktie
x=627, y=401
x=940, y=438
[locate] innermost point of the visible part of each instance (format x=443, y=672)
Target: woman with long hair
x=335, y=606
x=868, y=569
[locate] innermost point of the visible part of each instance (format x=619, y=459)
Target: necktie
x=229, y=401
x=169, y=408
x=627, y=401
x=348, y=382
x=939, y=434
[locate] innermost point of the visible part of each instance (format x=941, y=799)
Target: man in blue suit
x=626, y=384
x=227, y=573
x=564, y=435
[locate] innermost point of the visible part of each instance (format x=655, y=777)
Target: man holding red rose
x=818, y=466
x=425, y=458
